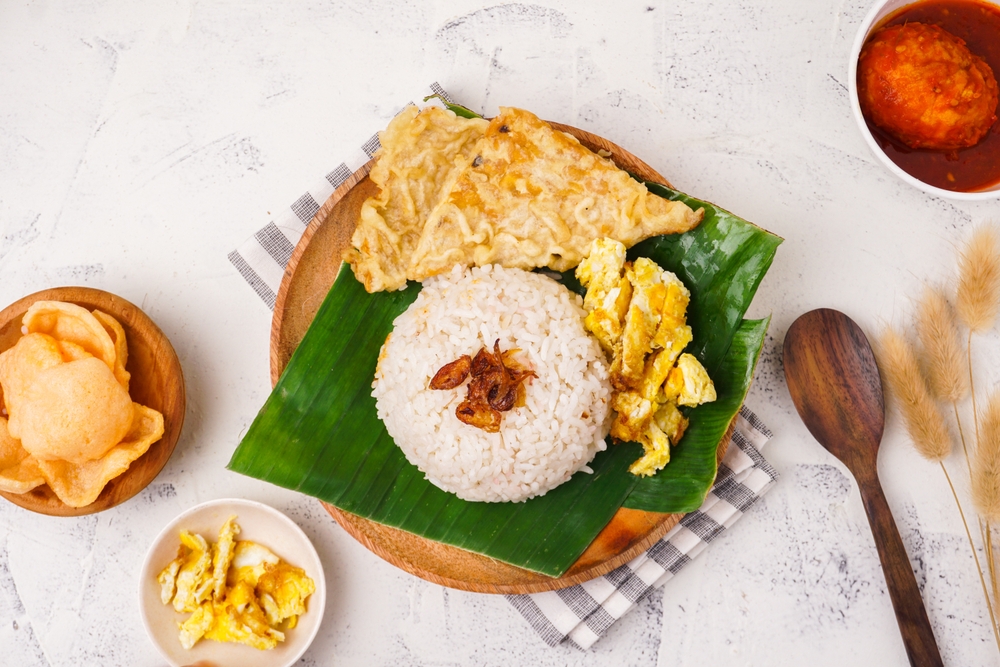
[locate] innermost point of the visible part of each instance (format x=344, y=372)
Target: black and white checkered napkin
x=579, y=614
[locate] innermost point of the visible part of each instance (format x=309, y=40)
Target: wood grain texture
x=835, y=384
x=311, y=272
x=157, y=382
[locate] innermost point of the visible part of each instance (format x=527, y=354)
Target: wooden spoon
x=835, y=385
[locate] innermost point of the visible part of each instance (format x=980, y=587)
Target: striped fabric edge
x=581, y=614
x=262, y=258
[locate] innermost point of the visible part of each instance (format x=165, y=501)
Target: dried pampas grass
x=940, y=339
x=985, y=478
x=922, y=415
x=986, y=464
x=925, y=424
x=978, y=296
x=977, y=303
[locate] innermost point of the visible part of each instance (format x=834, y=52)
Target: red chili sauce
x=968, y=169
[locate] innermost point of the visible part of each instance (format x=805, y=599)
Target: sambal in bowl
x=924, y=93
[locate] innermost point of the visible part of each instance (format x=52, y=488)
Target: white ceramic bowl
x=882, y=9
x=258, y=523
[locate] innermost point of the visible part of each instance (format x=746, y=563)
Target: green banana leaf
x=318, y=433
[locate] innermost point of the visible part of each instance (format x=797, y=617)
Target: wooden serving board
x=310, y=274
x=157, y=382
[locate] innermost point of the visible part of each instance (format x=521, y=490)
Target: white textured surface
x=140, y=142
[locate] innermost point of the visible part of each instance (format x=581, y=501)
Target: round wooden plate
x=310, y=274
x=156, y=382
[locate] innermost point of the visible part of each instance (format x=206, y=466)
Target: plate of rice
x=538, y=446
x=567, y=406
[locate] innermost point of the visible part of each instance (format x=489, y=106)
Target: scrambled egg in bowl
x=232, y=582
x=236, y=591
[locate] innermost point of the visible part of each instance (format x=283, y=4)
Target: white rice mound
x=539, y=446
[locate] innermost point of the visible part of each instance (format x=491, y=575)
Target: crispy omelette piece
x=521, y=195
x=422, y=154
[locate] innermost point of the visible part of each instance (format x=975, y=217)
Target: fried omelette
x=512, y=191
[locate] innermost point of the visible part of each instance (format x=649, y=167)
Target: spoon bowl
x=835, y=385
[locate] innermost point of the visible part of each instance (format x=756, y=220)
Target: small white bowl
x=878, y=12
x=258, y=523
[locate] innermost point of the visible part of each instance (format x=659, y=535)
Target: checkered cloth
x=579, y=614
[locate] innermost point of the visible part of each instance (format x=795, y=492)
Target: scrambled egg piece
x=195, y=558
x=249, y=562
x=696, y=387
x=200, y=622
x=236, y=590
x=283, y=590
x=608, y=291
x=239, y=618
x=512, y=191
x=638, y=312
x=223, y=556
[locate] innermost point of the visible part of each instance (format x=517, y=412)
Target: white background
x=141, y=142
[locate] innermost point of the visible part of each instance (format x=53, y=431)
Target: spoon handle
x=918, y=637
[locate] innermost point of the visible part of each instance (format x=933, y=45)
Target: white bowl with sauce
x=258, y=523
x=879, y=11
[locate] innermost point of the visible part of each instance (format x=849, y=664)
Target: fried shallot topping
x=496, y=385
x=453, y=374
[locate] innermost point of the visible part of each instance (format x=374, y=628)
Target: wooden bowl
x=308, y=277
x=156, y=382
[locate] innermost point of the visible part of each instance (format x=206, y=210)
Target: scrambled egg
x=638, y=313
x=235, y=590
